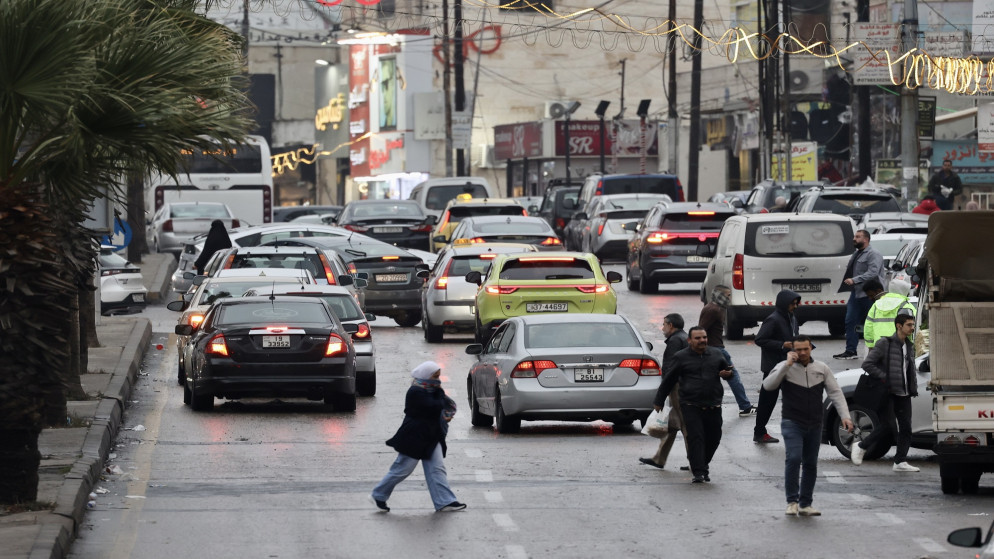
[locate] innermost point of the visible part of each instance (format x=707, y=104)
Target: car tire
x=199, y=401
x=866, y=420
x=950, y=485
x=633, y=284
x=481, y=336
x=341, y=402
x=187, y=397
x=646, y=285
x=180, y=373
x=837, y=328
x=365, y=383
x=433, y=334
x=506, y=424
x=408, y=319
x=478, y=418
x=623, y=423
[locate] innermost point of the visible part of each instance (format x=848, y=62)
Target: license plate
x=276, y=341
x=547, y=307
x=695, y=258
x=803, y=287
x=387, y=229
x=386, y=278
x=138, y=297
x=588, y=375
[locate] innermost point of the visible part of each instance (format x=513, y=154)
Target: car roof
x=383, y=202
x=286, y=279
x=265, y=299
x=626, y=175
x=290, y=289
x=490, y=248
x=635, y=196
x=196, y=203
x=894, y=216
x=789, y=216
x=505, y=219
x=837, y=190
x=273, y=249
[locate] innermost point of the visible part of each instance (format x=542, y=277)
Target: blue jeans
x=735, y=383
x=435, y=475
x=801, y=443
x=856, y=310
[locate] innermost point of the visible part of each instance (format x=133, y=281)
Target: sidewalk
x=73, y=458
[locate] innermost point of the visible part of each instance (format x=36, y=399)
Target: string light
x=288, y=161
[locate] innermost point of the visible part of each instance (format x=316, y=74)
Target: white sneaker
x=791, y=509
x=856, y=452
x=905, y=467
x=809, y=511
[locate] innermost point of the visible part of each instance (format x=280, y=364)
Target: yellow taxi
x=464, y=206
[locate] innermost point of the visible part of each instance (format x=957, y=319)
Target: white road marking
x=505, y=522
x=493, y=496
x=834, y=477
x=889, y=518
x=930, y=545
x=484, y=476
x=474, y=453
x=860, y=498
x=516, y=552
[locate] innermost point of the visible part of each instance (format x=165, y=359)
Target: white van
x=434, y=194
x=759, y=255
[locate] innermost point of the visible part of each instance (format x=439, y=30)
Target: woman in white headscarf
x=427, y=412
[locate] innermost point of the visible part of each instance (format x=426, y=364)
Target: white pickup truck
x=957, y=309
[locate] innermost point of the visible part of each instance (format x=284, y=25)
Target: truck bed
x=962, y=344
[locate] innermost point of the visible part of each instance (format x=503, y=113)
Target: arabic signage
x=889, y=171
x=386, y=153
x=985, y=127
x=803, y=163
x=867, y=70
x=515, y=141
x=429, y=119
x=972, y=165
x=585, y=138
x=983, y=19
x=926, y=117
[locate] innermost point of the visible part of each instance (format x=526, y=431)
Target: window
x=546, y=269
x=580, y=335
x=809, y=238
x=277, y=313
x=439, y=196
x=686, y=222
x=506, y=339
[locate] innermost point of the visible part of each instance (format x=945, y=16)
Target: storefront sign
x=514, y=141
x=926, y=117
x=386, y=154
x=870, y=63
x=359, y=57
x=585, y=138
x=333, y=113
x=803, y=163
x=972, y=165
x=985, y=127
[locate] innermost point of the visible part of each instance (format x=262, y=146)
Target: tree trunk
x=88, y=320
x=78, y=356
x=137, y=218
x=19, y=462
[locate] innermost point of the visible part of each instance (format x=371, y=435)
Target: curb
x=161, y=280
x=54, y=539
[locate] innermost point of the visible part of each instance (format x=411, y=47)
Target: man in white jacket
x=804, y=382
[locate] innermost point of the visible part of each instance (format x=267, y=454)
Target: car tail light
x=445, y=220
x=500, y=290
x=679, y=191
x=113, y=271
x=364, y=332
x=391, y=258
x=167, y=226
x=477, y=241
x=356, y=228
x=600, y=229
x=657, y=237
x=336, y=346
x=738, y=273
x=442, y=281
x=352, y=269
x=642, y=367
x=972, y=440
x=531, y=369
x=764, y=211
x=560, y=223
x=195, y=320
x=235, y=223
x=592, y=288
x=700, y=213
x=420, y=228
x=329, y=274
x=600, y=188
x=216, y=346
x=551, y=241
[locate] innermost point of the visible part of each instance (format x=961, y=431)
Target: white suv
x=759, y=255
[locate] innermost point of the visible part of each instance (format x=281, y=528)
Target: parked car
x=558, y=206
x=344, y=305
x=904, y=264
x=574, y=367
x=397, y=222
x=324, y=268
x=255, y=346
x=889, y=244
x=506, y=229
x=122, y=288
x=448, y=301
x=852, y=201
x=602, y=227
x=762, y=198
x=460, y=208
x=664, y=247
x=177, y=222
x=321, y=219
x=521, y=284
x=290, y=213
x=433, y=194
x=603, y=185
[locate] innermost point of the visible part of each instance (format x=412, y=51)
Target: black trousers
x=703, y=428
x=895, y=418
x=764, y=409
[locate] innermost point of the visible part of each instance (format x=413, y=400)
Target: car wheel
x=180, y=373
x=623, y=423
x=633, y=284
x=186, y=395
x=506, y=423
x=365, y=383
x=866, y=421
x=648, y=287
x=408, y=318
x=433, y=334
x=478, y=419
x=198, y=401
x=970, y=483
x=480, y=334
x=341, y=402
x=837, y=328
x=950, y=485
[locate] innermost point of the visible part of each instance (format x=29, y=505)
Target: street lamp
x=643, y=113
x=569, y=111
x=599, y=111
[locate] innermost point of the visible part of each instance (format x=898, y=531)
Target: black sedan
x=258, y=346
x=397, y=222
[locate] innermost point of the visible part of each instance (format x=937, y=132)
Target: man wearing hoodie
x=886, y=306
x=712, y=320
x=776, y=339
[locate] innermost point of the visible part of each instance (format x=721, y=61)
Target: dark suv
x=764, y=195
x=598, y=185
x=853, y=201
x=554, y=206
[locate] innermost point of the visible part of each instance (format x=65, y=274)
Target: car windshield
x=439, y=196
x=580, y=335
x=708, y=221
x=799, y=238
x=199, y=210
x=462, y=265
x=888, y=248
x=550, y=268
x=855, y=204
x=786, y=191
x=279, y=313
x=635, y=183
x=387, y=210
x=212, y=291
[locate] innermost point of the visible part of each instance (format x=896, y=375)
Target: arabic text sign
x=866, y=69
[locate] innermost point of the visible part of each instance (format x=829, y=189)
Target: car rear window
x=799, y=238
x=344, y=306
x=687, y=222
x=550, y=268
x=199, y=210
x=629, y=185
x=273, y=313
x=514, y=227
x=787, y=192
x=387, y=210
x=462, y=265
x=457, y=213
x=310, y=262
x=222, y=290
x=580, y=334
x=438, y=196
x=855, y=204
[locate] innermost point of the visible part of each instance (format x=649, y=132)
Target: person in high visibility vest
x=886, y=306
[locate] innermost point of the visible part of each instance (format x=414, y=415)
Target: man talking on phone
x=804, y=382
x=699, y=370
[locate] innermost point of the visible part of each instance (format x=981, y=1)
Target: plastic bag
x=657, y=424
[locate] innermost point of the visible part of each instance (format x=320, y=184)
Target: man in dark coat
x=676, y=340
x=775, y=339
x=217, y=239
x=699, y=370
x=945, y=185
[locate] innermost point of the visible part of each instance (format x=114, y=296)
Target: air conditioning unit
x=556, y=109
x=806, y=79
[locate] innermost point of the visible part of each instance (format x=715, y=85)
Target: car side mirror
x=580, y=216
x=198, y=280
x=532, y=210
x=345, y=279
x=474, y=277
x=360, y=283
x=350, y=328
x=184, y=329
x=614, y=277
x=896, y=266
x=176, y=305
x=964, y=537
x=440, y=239
x=423, y=274
x=474, y=349
x=189, y=275
x=569, y=204
x=370, y=317
x=431, y=220
x=630, y=226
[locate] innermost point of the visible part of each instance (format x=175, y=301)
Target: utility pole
x=460, y=85
x=616, y=122
x=787, y=110
x=445, y=88
x=694, y=153
x=863, y=131
x=909, y=109
x=673, y=119
x=245, y=32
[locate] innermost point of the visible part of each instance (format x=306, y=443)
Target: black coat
x=217, y=239
x=884, y=363
x=779, y=327
x=674, y=343
x=697, y=373
x=422, y=428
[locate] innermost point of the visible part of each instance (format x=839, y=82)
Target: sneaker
x=791, y=509
x=452, y=507
x=684, y=468
x=707, y=478
x=845, y=355
x=382, y=505
x=697, y=479
x=765, y=439
x=905, y=467
x=651, y=462
x=808, y=511
x=856, y=453
x=748, y=412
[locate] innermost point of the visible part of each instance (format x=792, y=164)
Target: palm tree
x=90, y=92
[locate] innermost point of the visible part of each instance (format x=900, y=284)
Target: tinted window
x=281, y=313
x=512, y=228
x=546, y=269
x=808, y=238
x=685, y=221
x=462, y=265
x=457, y=213
x=649, y=183
x=629, y=204
x=773, y=192
x=574, y=196
x=242, y=159
x=344, y=306
x=439, y=196
x=854, y=204
x=580, y=335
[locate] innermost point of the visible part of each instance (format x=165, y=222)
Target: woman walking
x=427, y=412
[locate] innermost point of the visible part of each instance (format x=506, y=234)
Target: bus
x=241, y=178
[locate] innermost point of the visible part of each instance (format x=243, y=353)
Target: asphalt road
x=286, y=479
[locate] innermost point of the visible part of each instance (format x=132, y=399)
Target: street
x=284, y=479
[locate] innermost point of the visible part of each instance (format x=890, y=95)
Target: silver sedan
x=574, y=367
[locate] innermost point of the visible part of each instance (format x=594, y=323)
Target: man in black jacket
x=676, y=340
x=775, y=338
x=699, y=370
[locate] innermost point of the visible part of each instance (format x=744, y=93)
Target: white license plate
x=803, y=287
x=387, y=229
x=588, y=375
x=138, y=297
x=547, y=307
x=391, y=277
x=695, y=258
x=276, y=341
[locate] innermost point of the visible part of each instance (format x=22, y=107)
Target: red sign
x=514, y=141
x=585, y=138
x=359, y=56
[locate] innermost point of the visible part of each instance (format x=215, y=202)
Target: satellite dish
x=798, y=80
x=557, y=110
